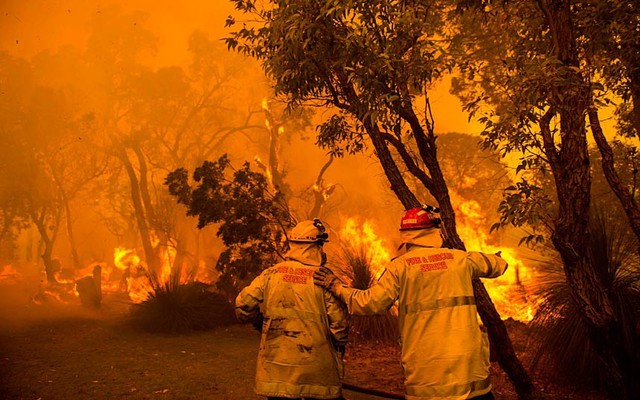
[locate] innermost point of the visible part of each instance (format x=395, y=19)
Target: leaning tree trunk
x=497, y=330
x=394, y=176
x=141, y=218
x=498, y=334
x=608, y=167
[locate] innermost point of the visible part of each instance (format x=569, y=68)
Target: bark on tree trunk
x=571, y=171
x=48, y=240
x=608, y=167
x=634, y=86
x=394, y=176
x=320, y=191
x=75, y=258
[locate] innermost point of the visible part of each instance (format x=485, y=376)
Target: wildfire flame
x=508, y=292
x=363, y=235
x=133, y=274
x=9, y=275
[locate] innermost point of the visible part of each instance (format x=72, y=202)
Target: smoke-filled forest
x=156, y=158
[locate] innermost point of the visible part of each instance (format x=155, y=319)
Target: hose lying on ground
x=374, y=392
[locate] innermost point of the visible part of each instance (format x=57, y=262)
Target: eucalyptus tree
x=46, y=152
x=13, y=183
x=532, y=73
x=159, y=119
x=372, y=63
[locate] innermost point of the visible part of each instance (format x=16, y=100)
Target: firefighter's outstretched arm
x=375, y=300
x=486, y=265
x=249, y=299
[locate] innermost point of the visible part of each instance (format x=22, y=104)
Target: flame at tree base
x=508, y=292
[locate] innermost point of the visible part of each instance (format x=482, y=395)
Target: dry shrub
x=355, y=267
x=175, y=307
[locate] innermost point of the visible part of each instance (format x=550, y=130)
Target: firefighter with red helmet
x=445, y=355
x=304, y=330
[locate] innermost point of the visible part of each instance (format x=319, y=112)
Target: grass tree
x=355, y=264
x=533, y=75
x=562, y=346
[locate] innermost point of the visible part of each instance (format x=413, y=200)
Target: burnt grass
x=64, y=352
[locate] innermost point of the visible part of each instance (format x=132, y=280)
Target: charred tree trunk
x=394, y=176
x=48, y=240
x=498, y=334
x=436, y=184
x=141, y=219
x=320, y=191
x=75, y=258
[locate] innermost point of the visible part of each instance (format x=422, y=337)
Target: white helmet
x=309, y=232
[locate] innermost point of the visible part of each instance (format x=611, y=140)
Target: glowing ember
x=133, y=273
x=9, y=276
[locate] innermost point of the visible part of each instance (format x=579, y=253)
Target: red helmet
x=420, y=218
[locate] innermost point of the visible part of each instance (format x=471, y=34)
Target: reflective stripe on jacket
x=445, y=355
x=303, y=325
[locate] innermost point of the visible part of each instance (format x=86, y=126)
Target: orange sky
x=31, y=26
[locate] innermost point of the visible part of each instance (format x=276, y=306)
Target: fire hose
x=374, y=392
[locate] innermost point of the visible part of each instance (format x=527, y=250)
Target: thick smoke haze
x=106, y=82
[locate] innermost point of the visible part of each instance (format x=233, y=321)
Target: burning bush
x=564, y=346
x=355, y=264
x=174, y=307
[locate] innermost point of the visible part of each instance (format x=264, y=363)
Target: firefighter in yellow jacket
x=445, y=355
x=305, y=328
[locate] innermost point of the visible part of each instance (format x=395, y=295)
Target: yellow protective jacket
x=445, y=355
x=303, y=327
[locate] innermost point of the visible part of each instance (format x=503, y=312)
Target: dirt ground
x=51, y=352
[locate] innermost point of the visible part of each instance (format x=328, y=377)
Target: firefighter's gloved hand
x=257, y=322
x=325, y=278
